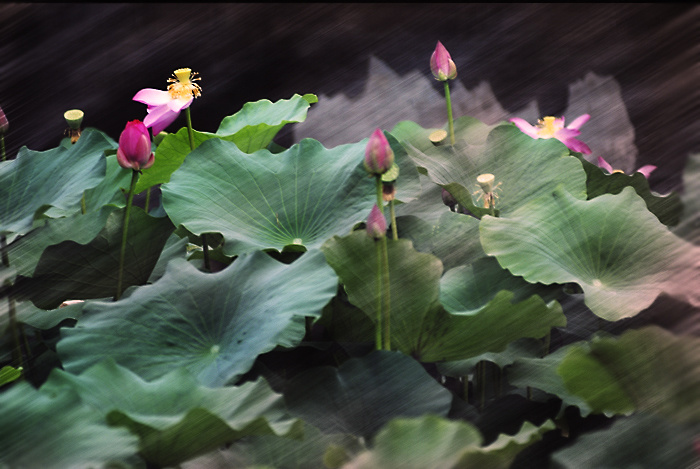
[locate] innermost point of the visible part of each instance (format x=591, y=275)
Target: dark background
x=95, y=57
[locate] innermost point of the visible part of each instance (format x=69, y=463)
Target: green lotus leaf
x=657, y=371
x=612, y=246
x=634, y=442
x=414, y=281
x=257, y=123
x=432, y=442
x=112, y=190
x=56, y=430
x=666, y=208
x=541, y=373
x=420, y=327
x=316, y=450
x=364, y=393
x=24, y=253
x=252, y=128
x=174, y=416
x=70, y=270
x=301, y=196
x=508, y=154
x=215, y=325
x=519, y=349
x=9, y=374
x=450, y=337
x=36, y=180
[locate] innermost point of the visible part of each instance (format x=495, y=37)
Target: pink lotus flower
x=135, y=147
x=165, y=106
x=552, y=127
x=376, y=223
x=645, y=170
x=441, y=64
x=379, y=157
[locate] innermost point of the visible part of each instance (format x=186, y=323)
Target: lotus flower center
x=183, y=86
x=547, y=127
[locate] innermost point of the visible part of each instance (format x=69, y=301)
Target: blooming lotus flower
x=552, y=127
x=441, y=64
x=379, y=157
x=165, y=106
x=135, y=147
x=376, y=223
x=645, y=170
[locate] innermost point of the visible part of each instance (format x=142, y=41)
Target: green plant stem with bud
x=380, y=192
x=450, y=124
x=125, y=230
x=205, y=245
x=386, y=295
x=378, y=335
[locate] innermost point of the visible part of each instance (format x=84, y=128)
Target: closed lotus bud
x=376, y=224
x=379, y=157
x=441, y=64
x=4, y=125
x=135, y=147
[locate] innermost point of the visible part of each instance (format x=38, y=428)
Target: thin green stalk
x=2, y=143
x=394, y=229
x=205, y=245
x=148, y=199
x=451, y=124
x=386, y=296
x=380, y=193
x=378, y=338
x=125, y=230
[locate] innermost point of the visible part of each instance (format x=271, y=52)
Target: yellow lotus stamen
x=546, y=127
x=183, y=86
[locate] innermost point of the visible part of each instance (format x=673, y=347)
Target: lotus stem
x=450, y=123
x=125, y=230
x=380, y=193
x=205, y=245
x=394, y=229
x=386, y=295
x=2, y=144
x=378, y=338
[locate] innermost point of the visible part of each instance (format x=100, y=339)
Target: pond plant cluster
x=424, y=298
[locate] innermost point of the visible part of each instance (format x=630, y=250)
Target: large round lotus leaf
x=666, y=208
x=431, y=442
x=215, y=325
x=301, y=196
x=524, y=168
x=420, y=327
x=174, y=416
x=70, y=270
x=252, y=128
x=364, y=393
x=636, y=442
x=612, y=246
x=36, y=180
x=55, y=430
x=413, y=276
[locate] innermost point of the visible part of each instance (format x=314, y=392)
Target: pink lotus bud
x=135, y=147
x=4, y=125
x=441, y=64
x=379, y=157
x=376, y=223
